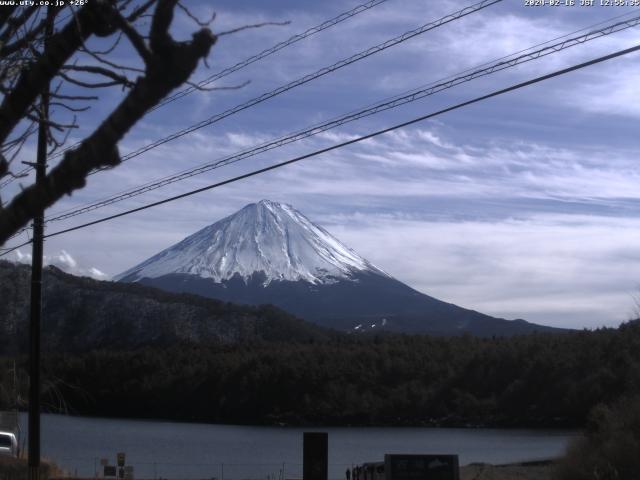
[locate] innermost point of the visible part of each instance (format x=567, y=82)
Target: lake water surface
x=188, y=451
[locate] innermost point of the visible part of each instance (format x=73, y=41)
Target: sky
x=525, y=205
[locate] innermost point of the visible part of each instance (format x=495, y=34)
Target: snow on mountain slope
x=264, y=237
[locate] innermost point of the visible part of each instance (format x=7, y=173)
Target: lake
x=225, y=452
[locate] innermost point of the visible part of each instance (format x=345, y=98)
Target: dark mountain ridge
x=81, y=314
x=366, y=302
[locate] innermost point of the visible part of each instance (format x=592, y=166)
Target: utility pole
x=37, y=254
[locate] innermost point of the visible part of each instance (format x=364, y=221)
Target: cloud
x=65, y=262
x=562, y=270
x=472, y=194
x=609, y=91
x=423, y=168
x=426, y=163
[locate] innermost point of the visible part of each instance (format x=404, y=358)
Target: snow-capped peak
x=267, y=237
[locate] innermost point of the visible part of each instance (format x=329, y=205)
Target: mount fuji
x=269, y=252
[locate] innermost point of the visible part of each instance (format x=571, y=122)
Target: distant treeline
x=534, y=380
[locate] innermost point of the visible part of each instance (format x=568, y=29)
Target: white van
x=8, y=444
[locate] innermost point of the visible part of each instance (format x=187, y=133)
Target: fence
x=84, y=468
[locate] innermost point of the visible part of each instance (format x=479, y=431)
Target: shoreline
x=314, y=426
x=539, y=470
x=534, y=470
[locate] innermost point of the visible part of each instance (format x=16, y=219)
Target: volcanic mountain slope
x=266, y=237
x=270, y=253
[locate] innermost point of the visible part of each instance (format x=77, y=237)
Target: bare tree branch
x=103, y=52
x=68, y=107
x=134, y=37
x=170, y=65
x=196, y=19
x=49, y=123
x=25, y=40
x=105, y=72
x=159, y=32
x=59, y=143
x=81, y=83
x=5, y=13
x=14, y=23
x=117, y=66
x=16, y=175
x=138, y=12
x=18, y=146
x=255, y=25
x=91, y=19
x=20, y=139
x=4, y=166
x=124, y=5
x=73, y=97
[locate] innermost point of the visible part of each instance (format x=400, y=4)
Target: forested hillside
x=535, y=380
x=81, y=314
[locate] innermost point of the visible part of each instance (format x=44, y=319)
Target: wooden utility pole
x=37, y=255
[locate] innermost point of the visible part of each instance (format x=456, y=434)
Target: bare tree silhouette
x=30, y=66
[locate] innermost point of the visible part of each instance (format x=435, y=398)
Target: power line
x=319, y=73
x=312, y=76
x=302, y=80
x=269, y=51
x=7, y=251
x=259, y=56
x=10, y=179
x=496, y=93
x=395, y=102
x=26, y=170
x=589, y=29
x=307, y=78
